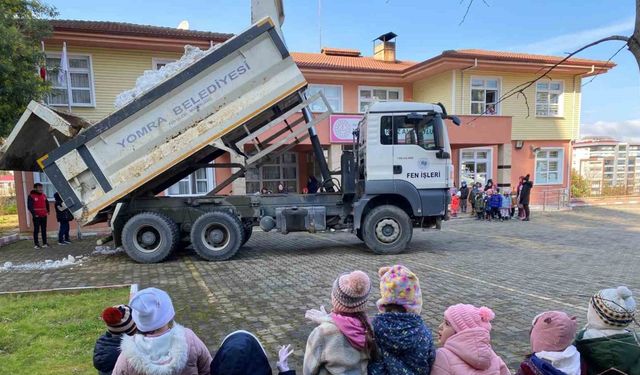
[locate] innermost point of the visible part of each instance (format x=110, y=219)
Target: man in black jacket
x=464, y=196
x=525, y=194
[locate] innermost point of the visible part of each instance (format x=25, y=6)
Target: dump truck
x=246, y=91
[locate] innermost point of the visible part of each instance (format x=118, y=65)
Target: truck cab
x=404, y=172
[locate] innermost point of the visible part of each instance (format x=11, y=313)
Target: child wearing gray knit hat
x=608, y=342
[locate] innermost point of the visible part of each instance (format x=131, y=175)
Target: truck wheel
x=387, y=229
x=149, y=237
x=216, y=235
x=247, y=231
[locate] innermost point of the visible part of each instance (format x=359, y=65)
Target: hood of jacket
x=621, y=352
x=473, y=346
x=240, y=353
x=159, y=355
x=405, y=344
x=567, y=361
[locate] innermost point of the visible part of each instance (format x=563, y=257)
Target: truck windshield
x=397, y=130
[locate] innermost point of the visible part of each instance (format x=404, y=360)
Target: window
x=485, y=93
x=333, y=93
x=282, y=170
x=549, y=166
x=80, y=88
x=157, y=63
x=397, y=131
x=549, y=99
x=47, y=187
x=475, y=165
x=199, y=182
x=368, y=95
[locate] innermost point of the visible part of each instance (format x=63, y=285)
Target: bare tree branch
x=608, y=60
x=466, y=12
x=519, y=89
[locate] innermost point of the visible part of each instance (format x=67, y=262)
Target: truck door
x=414, y=151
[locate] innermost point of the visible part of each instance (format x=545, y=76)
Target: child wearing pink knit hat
x=466, y=343
x=343, y=343
x=552, y=335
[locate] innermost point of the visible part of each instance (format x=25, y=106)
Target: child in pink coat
x=466, y=344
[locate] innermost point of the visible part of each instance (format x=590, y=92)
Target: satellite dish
x=183, y=25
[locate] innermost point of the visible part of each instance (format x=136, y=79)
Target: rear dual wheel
x=217, y=235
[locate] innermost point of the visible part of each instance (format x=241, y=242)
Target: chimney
x=384, y=47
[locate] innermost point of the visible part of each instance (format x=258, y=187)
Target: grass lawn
x=8, y=224
x=53, y=333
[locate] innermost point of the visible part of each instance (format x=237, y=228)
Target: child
x=505, y=209
x=514, y=203
x=405, y=342
x=161, y=346
x=38, y=206
x=455, y=204
x=344, y=343
x=487, y=204
x=495, y=202
x=107, y=349
x=551, y=337
x=63, y=215
x=472, y=198
x=606, y=342
x=480, y=205
x=241, y=353
x=466, y=344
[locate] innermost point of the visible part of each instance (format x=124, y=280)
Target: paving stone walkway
x=519, y=269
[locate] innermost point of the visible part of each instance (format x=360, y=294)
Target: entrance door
x=475, y=165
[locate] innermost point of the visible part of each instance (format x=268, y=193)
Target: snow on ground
x=46, y=265
x=151, y=78
x=107, y=250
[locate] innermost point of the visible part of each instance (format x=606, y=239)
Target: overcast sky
x=610, y=103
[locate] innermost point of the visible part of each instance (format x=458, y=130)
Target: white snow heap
x=107, y=250
x=151, y=78
x=48, y=264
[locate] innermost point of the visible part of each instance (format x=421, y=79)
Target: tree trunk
x=634, y=42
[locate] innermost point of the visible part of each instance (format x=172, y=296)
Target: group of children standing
x=491, y=202
x=144, y=339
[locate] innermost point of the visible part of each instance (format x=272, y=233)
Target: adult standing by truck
x=525, y=194
x=38, y=205
x=464, y=196
x=63, y=215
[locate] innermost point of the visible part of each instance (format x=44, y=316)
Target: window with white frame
x=157, y=63
x=333, y=93
x=549, y=98
x=485, y=93
x=368, y=95
x=273, y=171
x=199, y=182
x=79, y=87
x=475, y=165
x=549, y=164
x=47, y=187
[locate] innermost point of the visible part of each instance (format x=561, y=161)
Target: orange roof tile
x=348, y=63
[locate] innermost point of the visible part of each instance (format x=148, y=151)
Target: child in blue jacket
x=495, y=202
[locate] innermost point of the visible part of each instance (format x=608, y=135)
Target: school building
x=497, y=140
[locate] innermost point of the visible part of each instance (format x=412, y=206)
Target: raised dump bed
x=188, y=119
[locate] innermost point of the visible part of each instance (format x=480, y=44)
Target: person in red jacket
x=38, y=205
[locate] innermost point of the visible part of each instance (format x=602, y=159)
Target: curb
x=6, y=240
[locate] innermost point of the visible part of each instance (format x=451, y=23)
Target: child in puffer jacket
x=466, y=343
x=343, y=343
x=551, y=337
x=607, y=343
x=161, y=346
x=404, y=341
x=107, y=349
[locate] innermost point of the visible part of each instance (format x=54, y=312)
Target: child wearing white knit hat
x=607, y=342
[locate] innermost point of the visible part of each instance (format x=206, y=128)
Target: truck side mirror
x=455, y=120
x=442, y=154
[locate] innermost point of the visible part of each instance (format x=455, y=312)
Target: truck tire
x=387, y=229
x=217, y=235
x=149, y=237
x=247, y=231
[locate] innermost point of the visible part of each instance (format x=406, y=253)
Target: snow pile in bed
x=151, y=78
x=40, y=266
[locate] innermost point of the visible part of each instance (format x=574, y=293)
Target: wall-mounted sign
x=342, y=127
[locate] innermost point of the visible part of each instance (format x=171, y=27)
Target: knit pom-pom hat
x=350, y=292
x=463, y=317
x=119, y=320
x=553, y=331
x=399, y=286
x=614, y=308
